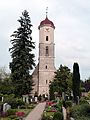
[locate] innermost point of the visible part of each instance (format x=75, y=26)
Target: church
x=44, y=71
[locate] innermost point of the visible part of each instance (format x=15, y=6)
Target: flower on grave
x=20, y=114
x=50, y=103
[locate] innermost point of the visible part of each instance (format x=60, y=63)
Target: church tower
x=46, y=55
x=44, y=72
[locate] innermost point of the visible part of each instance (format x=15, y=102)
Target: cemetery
x=15, y=108
x=41, y=91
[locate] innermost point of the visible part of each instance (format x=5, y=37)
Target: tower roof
x=46, y=22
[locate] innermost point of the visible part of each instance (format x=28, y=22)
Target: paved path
x=36, y=113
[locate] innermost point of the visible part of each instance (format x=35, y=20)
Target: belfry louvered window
x=47, y=52
x=46, y=38
x=46, y=81
x=46, y=66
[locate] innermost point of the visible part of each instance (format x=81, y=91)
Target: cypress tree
x=22, y=56
x=76, y=82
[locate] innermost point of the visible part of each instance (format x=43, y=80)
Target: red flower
x=53, y=111
x=20, y=114
x=50, y=103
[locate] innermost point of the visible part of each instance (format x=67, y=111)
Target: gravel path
x=36, y=113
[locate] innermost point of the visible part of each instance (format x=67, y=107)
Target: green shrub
x=58, y=116
x=69, y=103
x=11, y=112
x=59, y=106
x=19, y=102
x=30, y=107
x=15, y=103
x=83, y=101
x=23, y=107
x=75, y=111
x=85, y=110
x=88, y=95
x=81, y=111
x=16, y=119
x=12, y=117
x=82, y=118
x=44, y=117
x=8, y=98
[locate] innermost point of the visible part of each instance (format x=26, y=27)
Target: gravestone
x=31, y=99
x=6, y=107
x=63, y=95
x=26, y=99
x=2, y=99
x=36, y=99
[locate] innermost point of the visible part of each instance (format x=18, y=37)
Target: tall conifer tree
x=76, y=82
x=60, y=82
x=22, y=56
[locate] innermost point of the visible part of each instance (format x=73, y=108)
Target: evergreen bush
x=83, y=101
x=68, y=103
x=81, y=112
x=58, y=116
x=11, y=112
x=46, y=117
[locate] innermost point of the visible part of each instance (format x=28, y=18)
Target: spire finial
x=46, y=12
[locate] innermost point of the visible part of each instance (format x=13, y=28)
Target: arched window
x=46, y=38
x=47, y=53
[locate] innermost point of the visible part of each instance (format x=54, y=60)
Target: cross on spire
x=46, y=12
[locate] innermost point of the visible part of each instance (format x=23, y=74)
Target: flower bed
x=51, y=109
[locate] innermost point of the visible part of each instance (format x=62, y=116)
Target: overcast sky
x=72, y=33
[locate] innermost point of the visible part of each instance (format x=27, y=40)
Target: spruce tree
x=76, y=82
x=22, y=56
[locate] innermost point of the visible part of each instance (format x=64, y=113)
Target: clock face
x=47, y=29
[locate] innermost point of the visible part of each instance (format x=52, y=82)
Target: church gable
x=35, y=72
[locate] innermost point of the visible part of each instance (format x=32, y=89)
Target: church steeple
x=46, y=66
x=46, y=54
x=46, y=12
